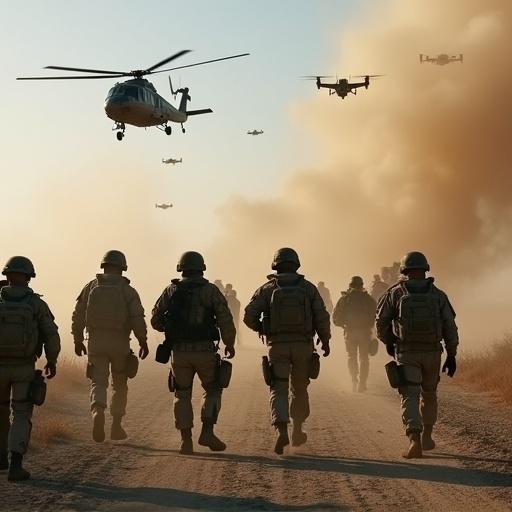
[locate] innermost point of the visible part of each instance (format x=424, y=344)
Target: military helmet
x=191, y=260
x=356, y=282
x=285, y=255
x=19, y=264
x=116, y=258
x=321, y=284
x=414, y=261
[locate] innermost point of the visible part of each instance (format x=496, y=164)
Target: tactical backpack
x=188, y=319
x=18, y=328
x=419, y=317
x=359, y=310
x=290, y=312
x=106, y=307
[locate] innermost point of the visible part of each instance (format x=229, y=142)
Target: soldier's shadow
x=421, y=470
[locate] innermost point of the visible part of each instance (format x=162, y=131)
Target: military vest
x=358, y=310
x=106, y=306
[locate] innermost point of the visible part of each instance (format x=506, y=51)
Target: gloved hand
x=450, y=366
x=143, y=350
x=50, y=370
x=390, y=349
x=229, y=352
x=80, y=349
x=326, y=348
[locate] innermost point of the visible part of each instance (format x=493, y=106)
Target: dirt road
x=351, y=462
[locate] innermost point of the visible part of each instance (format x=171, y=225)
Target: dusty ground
x=352, y=461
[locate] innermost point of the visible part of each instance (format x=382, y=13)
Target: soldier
x=379, y=287
x=413, y=317
x=220, y=286
x=109, y=309
x=326, y=296
x=355, y=312
x=191, y=311
x=26, y=327
x=234, y=306
x=288, y=311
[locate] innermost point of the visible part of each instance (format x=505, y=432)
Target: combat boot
x=4, y=460
x=187, y=447
x=298, y=437
x=98, y=425
x=414, y=451
x=16, y=472
x=209, y=439
x=427, y=443
x=117, y=432
x=282, y=439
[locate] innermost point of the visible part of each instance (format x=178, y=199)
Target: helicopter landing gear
x=121, y=128
x=182, y=128
x=168, y=130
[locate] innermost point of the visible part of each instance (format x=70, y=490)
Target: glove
x=50, y=370
x=80, y=349
x=143, y=350
x=229, y=352
x=326, y=348
x=450, y=366
x=390, y=349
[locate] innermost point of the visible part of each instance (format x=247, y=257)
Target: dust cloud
x=420, y=161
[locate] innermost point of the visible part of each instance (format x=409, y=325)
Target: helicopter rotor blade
x=165, y=61
x=85, y=70
x=200, y=63
x=86, y=77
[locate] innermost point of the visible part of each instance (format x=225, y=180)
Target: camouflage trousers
x=357, y=344
x=419, y=396
x=14, y=387
x=185, y=365
x=108, y=356
x=291, y=363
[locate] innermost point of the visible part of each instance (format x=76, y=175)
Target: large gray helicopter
x=136, y=101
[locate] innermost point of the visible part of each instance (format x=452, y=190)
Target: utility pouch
x=374, y=347
x=37, y=389
x=393, y=374
x=132, y=365
x=89, y=370
x=163, y=353
x=224, y=372
x=171, y=382
x=314, y=366
x=266, y=367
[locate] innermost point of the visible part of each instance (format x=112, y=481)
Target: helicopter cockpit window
x=132, y=92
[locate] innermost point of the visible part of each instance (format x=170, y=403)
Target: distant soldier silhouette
x=379, y=287
x=234, y=306
x=326, y=296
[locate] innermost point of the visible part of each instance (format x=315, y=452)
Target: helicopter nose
x=114, y=108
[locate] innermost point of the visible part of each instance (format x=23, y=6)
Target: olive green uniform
x=289, y=355
x=355, y=313
x=421, y=362
x=108, y=349
x=16, y=374
x=196, y=356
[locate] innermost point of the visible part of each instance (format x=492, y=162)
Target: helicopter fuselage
x=137, y=103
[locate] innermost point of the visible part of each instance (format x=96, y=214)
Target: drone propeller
x=138, y=73
x=367, y=76
x=315, y=77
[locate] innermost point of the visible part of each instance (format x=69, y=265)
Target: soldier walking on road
x=109, y=309
x=26, y=327
x=355, y=313
x=288, y=311
x=191, y=311
x=413, y=317
x=326, y=296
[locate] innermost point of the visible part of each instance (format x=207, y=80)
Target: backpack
x=290, y=311
x=359, y=310
x=188, y=318
x=106, y=307
x=419, y=317
x=18, y=328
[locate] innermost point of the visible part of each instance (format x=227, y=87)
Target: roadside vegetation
x=490, y=370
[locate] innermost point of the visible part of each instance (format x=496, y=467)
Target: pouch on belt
x=393, y=374
x=37, y=389
x=171, y=382
x=266, y=368
x=314, y=366
x=224, y=372
x=163, y=353
x=132, y=365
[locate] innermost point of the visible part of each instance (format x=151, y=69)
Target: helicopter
x=172, y=161
x=343, y=86
x=442, y=59
x=255, y=132
x=164, y=206
x=136, y=101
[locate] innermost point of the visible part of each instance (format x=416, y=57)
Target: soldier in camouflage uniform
x=109, y=309
x=191, y=311
x=289, y=311
x=355, y=313
x=26, y=327
x=413, y=317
